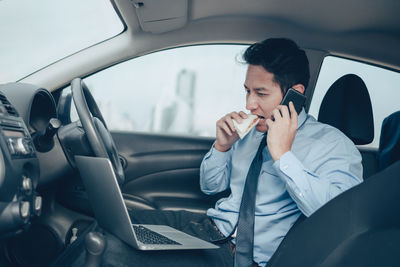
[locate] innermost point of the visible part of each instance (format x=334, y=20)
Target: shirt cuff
x=290, y=168
x=216, y=157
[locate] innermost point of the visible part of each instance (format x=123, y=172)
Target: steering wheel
x=99, y=137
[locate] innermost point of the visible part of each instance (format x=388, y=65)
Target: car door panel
x=162, y=172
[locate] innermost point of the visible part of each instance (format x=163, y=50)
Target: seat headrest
x=389, y=143
x=347, y=106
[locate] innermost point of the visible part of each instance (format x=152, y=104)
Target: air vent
x=3, y=99
x=7, y=105
x=11, y=110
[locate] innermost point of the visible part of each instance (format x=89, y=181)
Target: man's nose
x=251, y=102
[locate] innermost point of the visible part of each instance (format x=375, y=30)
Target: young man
x=304, y=164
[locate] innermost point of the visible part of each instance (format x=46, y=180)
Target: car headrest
x=389, y=143
x=347, y=106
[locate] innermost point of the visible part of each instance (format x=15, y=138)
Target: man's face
x=263, y=95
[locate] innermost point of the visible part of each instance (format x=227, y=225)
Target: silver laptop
x=111, y=213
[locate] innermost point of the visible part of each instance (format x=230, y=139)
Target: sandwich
x=246, y=125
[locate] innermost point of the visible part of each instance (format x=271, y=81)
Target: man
x=304, y=164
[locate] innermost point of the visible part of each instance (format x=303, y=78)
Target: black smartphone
x=297, y=98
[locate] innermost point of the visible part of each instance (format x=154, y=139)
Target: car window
x=383, y=87
x=37, y=33
x=177, y=91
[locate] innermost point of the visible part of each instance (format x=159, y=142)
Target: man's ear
x=299, y=88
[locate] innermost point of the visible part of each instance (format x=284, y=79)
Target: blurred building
x=174, y=113
x=114, y=118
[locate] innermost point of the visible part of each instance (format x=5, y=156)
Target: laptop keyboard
x=147, y=236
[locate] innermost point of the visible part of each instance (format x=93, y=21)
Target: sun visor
x=161, y=16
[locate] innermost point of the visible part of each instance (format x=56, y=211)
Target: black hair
x=281, y=57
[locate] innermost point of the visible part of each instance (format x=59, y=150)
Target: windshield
x=35, y=34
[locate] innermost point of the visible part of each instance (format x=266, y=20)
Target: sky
x=32, y=40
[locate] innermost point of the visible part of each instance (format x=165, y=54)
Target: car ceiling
x=366, y=30
x=325, y=15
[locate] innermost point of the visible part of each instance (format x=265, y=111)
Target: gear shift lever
x=95, y=244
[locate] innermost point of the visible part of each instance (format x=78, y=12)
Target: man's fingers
x=226, y=129
x=283, y=110
x=277, y=114
x=237, y=117
x=268, y=122
x=231, y=125
x=226, y=123
x=243, y=115
x=229, y=122
x=293, y=114
x=292, y=109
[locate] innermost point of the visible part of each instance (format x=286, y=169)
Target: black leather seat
x=389, y=143
x=347, y=106
x=360, y=227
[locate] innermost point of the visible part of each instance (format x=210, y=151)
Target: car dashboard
x=25, y=111
x=19, y=171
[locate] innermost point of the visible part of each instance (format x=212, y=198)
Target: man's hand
x=282, y=131
x=226, y=131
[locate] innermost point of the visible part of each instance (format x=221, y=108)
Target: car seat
x=347, y=106
x=360, y=227
x=389, y=144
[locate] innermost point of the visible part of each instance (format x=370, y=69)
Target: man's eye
x=261, y=94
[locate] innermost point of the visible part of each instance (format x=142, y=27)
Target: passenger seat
x=347, y=106
x=389, y=144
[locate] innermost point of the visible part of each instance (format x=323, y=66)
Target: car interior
x=44, y=205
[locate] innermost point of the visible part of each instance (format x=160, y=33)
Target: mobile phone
x=297, y=98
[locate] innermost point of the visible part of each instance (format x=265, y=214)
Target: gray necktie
x=245, y=226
